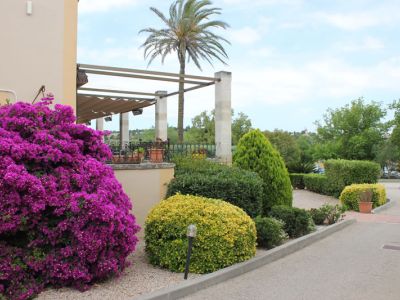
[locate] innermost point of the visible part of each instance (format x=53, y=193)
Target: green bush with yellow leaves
x=351, y=194
x=225, y=234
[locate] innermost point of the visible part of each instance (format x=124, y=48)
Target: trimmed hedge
x=270, y=232
x=318, y=183
x=350, y=196
x=297, y=180
x=238, y=187
x=186, y=165
x=341, y=173
x=255, y=153
x=225, y=234
x=298, y=222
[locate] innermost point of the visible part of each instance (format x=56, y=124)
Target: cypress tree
x=255, y=153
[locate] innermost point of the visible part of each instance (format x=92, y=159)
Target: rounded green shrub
x=351, y=194
x=225, y=234
x=270, y=232
x=255, y=153
x=236, y=186
x=298, y=222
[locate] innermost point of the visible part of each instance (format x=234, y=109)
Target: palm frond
x=188, y=33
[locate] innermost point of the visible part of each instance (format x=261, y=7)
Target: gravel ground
x=307, y=200
x=140, y=278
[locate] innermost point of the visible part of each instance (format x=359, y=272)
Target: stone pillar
x=123, y=129
x=100, y=125
x=223, y=117
x=161, y=116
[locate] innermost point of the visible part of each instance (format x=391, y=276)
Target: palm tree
x=188, y=33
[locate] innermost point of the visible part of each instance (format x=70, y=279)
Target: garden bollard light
x=191, y=234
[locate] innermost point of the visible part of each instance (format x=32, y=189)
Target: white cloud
x=109, y=55
x=263, y=52
x=330, y=79
x=90, y=6
x=245, y=35
x=382, y=15
x=367, y=44
x=352, y=21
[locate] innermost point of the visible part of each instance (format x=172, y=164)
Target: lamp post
x=191, y=234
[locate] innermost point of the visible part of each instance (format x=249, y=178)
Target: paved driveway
x=350, y=264
x=305, y=199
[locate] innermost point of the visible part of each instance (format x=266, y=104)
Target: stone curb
x=191, y=286
x=389, y=203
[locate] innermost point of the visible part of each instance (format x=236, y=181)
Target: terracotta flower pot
x=365, y=207
x=156, y=155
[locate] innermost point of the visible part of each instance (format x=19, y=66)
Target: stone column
x=100, y=125
x=123, y=129
x=223, y=117
x=161, y=116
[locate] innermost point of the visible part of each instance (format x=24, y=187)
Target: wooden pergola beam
x=87, y=67
x=116, y=92
x=132, y=75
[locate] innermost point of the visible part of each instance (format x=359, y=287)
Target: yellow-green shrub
x=225, y=234
x=350, y=196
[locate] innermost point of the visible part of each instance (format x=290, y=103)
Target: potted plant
x=365, y=202
x=156, y=152
x=137, y=156
x=140, y=153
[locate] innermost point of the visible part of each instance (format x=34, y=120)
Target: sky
x=290, y=60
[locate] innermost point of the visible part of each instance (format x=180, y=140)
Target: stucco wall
x=146, y=185
x=39, y=49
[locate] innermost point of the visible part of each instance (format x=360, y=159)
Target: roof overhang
x=93, y=106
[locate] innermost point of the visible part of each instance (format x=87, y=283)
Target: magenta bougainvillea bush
x=64, y=218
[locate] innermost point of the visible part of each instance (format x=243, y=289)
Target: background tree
x=355, y=131
x=188, y=34
x=203, y=128
x=287, y=146
x=240, y=126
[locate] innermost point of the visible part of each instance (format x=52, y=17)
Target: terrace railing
x=144, y=151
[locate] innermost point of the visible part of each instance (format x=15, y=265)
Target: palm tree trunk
x=181, y=101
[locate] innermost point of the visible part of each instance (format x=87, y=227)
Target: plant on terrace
x=64, y=218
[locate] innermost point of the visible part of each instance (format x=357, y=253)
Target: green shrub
x=225, y=234
x=341, y=173
x=255, y=153
x=327, y=214
x=186, y=165
x=298, y=222
x=350, y=196
x=318, y=183
x=270, y=232
x=236, y=186
x=297, y=180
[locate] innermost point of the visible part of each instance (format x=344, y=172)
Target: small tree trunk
x=181, y=101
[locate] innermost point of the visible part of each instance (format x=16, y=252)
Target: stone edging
x=191, y=286
x=389, y=203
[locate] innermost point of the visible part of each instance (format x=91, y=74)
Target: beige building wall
x=39, y=49
x=145, y=187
